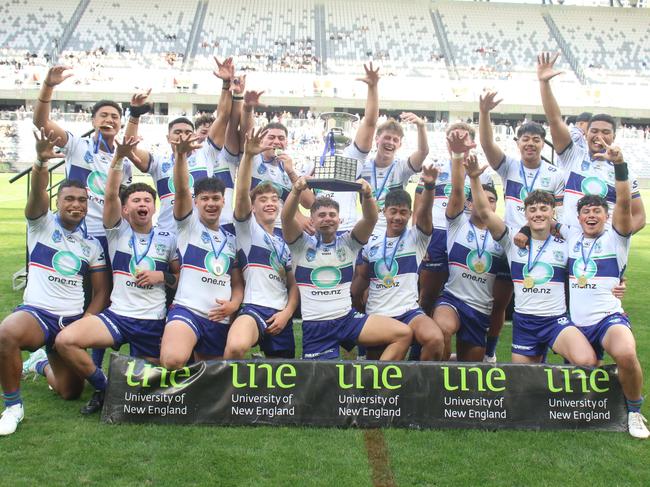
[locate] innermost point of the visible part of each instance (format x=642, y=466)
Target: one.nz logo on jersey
x=66, y=263
x=96, y=182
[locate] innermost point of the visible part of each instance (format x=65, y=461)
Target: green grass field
x=56, y=446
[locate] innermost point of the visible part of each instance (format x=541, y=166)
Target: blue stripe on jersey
x=285, y=191
x=80, y=174
x=259, y=255
x=407, y=265
x=162, y=185
x=513, y=190
x=121, y=262
x=241, y=258
x=574, y=184
x=517, y=272
x=607, y=267
x=43, y=255
x=223, y=174
x=195, y=256
x=303, y=274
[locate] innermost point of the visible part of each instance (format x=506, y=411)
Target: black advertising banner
x=366, y=394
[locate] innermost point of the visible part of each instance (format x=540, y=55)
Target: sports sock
x=97, y=379
x=40, y=366
x=491, y=347
x=634, y=406
x=98, y=356
x=12, y=398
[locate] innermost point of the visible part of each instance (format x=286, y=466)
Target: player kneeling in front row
x=324, y=265
x=210, y=288
x=60, y=255
x=389, y=270
x=144, y=262
x=270, y=293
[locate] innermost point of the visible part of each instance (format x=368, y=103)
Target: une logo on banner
x=586, y=383
x=156, y=376
x=485, y=380
x=379, y=380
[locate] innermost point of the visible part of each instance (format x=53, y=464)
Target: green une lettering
x=492, y=379
x=588, y=381
x=280, y=377
x=150, y=373
x=387, y=378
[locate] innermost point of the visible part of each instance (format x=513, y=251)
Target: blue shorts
x=532, y=335
x=474, y=325
x=436, y=258
x=271, y=344
x=321, y=339
x=211, y=336
x=143, y=336
x=51, y=324
x=596, y=333
x=407, y=317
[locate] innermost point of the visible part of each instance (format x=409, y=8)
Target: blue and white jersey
x=265, y=260
x=540, y=291
x=324, y=274
x=587, y=176
x=578, y=137
x=130, y=253
x=474, y=260
x=161, y=169
x=225, y=168
x=518, y=181
x=87, y=162
x=58, y=261
x=595, y=268
x=393, y=264
x=443, y=190
x=272, y=171
x=347, y=200
x=207, y=259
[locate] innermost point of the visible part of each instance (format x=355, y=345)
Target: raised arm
x=366, y=131
x=234, y=143
x=112, y=204
x=55, y=76
x=139, y=107
x=253, y=147
x=545, y=73
x=479, y=199
x=459, y=145
x=369, y=214
x=225, y=72
x=622, y=217
x=183, y=193
x=291, y=228
x=38, y=201
x=492, y=151
x=251, y=101
x=417, y=158
x=424, y=216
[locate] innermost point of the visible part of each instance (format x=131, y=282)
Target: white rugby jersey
x=347, y=200
x=443, y=190
x=156, y=250
x=207, y=258
x=265, y=260
x=546, y=297
x=471, y=277
x=587, y=176
x=161, y=169
x=393, y=264
x=58, y=261
x=324, y=274
x=274, y=172
x=595, y=268
x=225, y=168
x=578, y=137
x=518, y=181
x=87, y=162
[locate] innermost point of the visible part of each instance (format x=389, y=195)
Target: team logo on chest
x=161, y=249
x=88, y=157
x=96, y=182
x=593, y=186
x=172, y=189
x=85, y=249
x=311, y=255
x=479, y=264
x=325, y=277
x=56, y=236
x=66, y=263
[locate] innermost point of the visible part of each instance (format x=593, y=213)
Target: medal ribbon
x=389, y=263
x=480, y=251
x=539, y=254
x=585, y=260
x=134, y=246
x=522, y=173
x=100, y=141
x=379, y=191
x=81, y=225
x=278, y=254
x=330, y=147
x=223, y=244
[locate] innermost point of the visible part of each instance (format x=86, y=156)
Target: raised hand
x=239, y=84
x=186, y=144
x=612, y=153
x=45, y=145
x=411, y=118
x=252, y=99
x=545, y=66
x=139, y=99
x=372, y=75
x=126, y=147
x=487, y=101
x=430, y=174
x=225, y=71
x=366, y=189
x=459, y=142
x=57, y=75
x=254, y=144
x=300, y=184
x=472, y=167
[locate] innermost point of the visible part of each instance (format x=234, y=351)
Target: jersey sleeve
x=97, y=261
x=300, y=245
x=38, y=224
x=572, y=153
x=421, y=241
x=244, y=232
x=353, y=152
x=506, y=243
x=154, y=166
x=622, y=244
x=113, y=234
x=505, y=168
x=232, y=159
x=349, y=240
x=404, y=171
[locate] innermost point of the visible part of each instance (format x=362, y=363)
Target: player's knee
x=403, y=333
x=626, y=359
x=585, y=358
x=65, y=341
x=235, y=350
x=171, y=360
x=8, y=338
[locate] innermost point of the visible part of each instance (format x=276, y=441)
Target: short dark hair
x=324, y=202
x=603, y=117
x=264, y=187
x=539, y=196
x=584, y=117
x=276, y=125
x=397, y=197
x=592, y=200
x=135, y=188
x=532, y=128
x=486, y=187
x=70, y=183
x=180, y=120
x=105, y=103
x=203, y=120
x=209, y=185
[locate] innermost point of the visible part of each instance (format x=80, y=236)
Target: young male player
x=540, y=320
x=389, y=271
x=210, y=288
x=324, y=264
x=144, y=262
x=270, y=294
x=60, y=255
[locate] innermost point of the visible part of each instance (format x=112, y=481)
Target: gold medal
x=138, y=270
x=479, y=267
x=582, y=281
x=389, y=281
x=529, y=282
